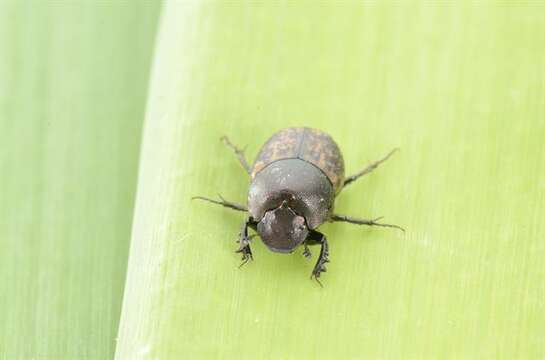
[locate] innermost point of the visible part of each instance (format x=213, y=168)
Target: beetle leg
x=316, y=237
x=369, y=168
x=373, y=222
x=223, y=202
x=244, y=241
x=306, y=251
x=239, y=153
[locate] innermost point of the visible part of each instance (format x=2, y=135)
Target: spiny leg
x=223, y=202
x=372, y=166
x=239, y=153
x=244, y=241
x=314, y=238
x=373, y=222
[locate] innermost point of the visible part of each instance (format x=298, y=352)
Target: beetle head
x=281, y=229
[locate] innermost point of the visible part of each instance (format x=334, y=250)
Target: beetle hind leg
x=369, y=168
x=238, y=152
x=372, y=222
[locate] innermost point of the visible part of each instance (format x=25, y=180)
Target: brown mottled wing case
x=311, y=145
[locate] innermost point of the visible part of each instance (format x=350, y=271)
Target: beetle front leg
x=244, y=241
x=316, y=237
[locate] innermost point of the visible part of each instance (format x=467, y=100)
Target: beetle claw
x=315, y=277
x=245, y=259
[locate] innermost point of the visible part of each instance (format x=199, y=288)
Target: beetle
x=295, y=179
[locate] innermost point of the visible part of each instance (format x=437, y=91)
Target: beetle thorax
x=300, y=185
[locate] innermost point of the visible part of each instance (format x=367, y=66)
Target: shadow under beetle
x=295, y=179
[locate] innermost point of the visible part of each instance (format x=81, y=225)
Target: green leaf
x=73, y=78
x=458, y=88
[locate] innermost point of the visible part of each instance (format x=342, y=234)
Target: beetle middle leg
x=238, y=152
x=369, y=168
x=315, y=238
x=372, y=222
x=244, y=241
x=222, y=202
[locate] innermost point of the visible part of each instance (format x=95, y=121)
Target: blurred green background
x=73, y=84
x=458, y=87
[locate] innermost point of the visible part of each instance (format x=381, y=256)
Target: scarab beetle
x=294, y=181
